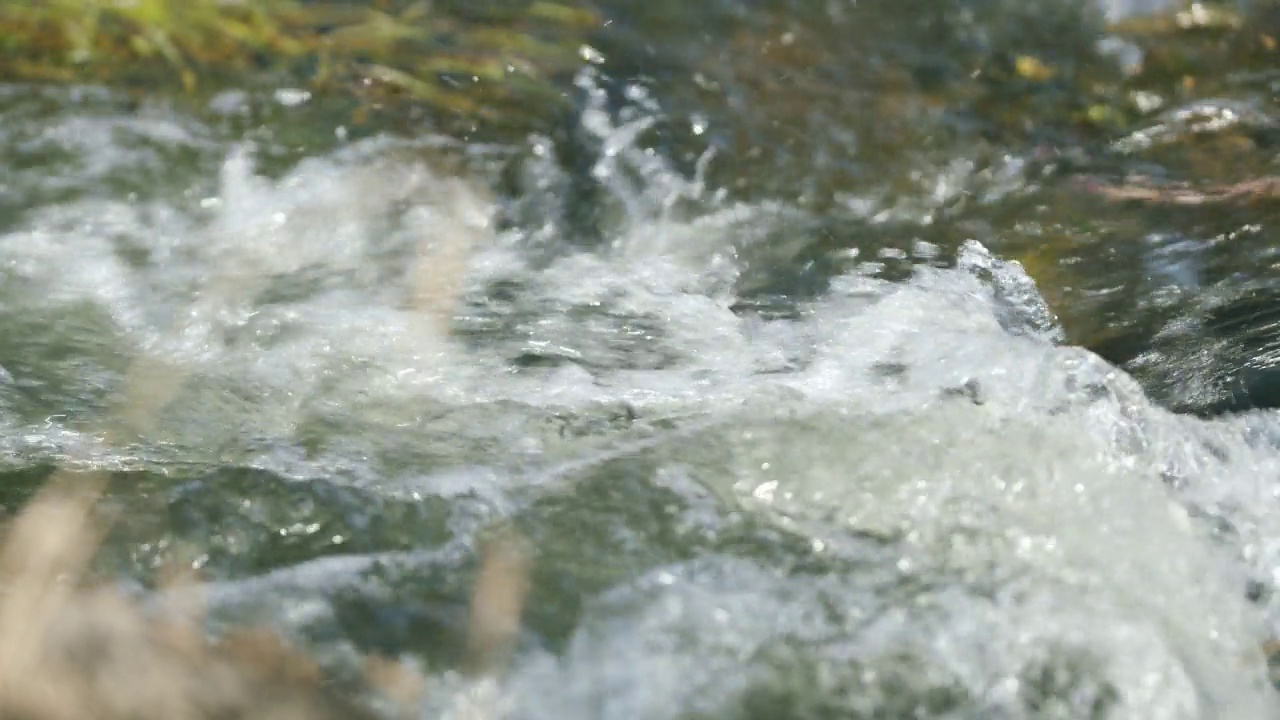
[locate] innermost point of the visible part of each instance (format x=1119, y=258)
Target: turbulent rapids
x=762, y=468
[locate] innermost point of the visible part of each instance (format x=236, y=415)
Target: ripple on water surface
x=890, y=499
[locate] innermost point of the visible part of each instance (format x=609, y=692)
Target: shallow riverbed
x=789, y=430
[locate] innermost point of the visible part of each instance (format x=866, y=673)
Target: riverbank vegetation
x=476, y=62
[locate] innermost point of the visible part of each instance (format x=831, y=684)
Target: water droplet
x=764, y=492
x=292, y=97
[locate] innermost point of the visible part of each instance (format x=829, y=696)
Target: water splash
x=971, y=518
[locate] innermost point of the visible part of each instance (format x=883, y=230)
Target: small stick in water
x=1259, y=189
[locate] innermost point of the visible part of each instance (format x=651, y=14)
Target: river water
x=790, y=447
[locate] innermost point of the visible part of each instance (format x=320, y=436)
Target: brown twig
x=1248, y=191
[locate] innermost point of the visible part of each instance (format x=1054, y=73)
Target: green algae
x=470, y=66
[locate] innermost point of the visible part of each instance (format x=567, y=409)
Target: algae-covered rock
x=494, y=62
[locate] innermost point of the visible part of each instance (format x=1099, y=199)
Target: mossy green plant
x=478, y=68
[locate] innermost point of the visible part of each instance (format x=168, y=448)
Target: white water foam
x=1023, y=484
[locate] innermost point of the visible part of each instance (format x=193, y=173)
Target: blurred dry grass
x=73, y=651
x=70, y=650
x=463, y=222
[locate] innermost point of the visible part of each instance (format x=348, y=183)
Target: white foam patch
x=936, y=413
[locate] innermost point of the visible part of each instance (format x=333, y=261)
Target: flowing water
x=780, y=451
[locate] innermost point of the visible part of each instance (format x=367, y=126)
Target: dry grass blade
x=70, y=652
x=149, y=385
x=401, y=684
x=497, y=603
x=463, y=222
x=45, y=553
